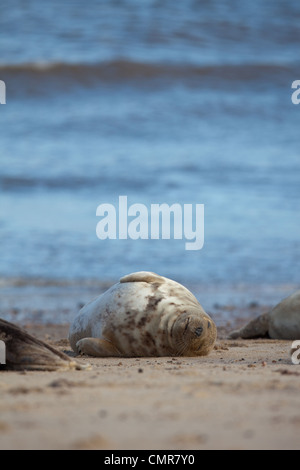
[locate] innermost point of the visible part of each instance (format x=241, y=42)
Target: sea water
x=163, y=102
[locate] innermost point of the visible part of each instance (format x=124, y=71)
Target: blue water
x=162, y=101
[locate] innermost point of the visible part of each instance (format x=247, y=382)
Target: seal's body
x=282, y=322
x=25, y=352
x=143, y=315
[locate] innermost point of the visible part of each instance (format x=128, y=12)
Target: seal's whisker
x=182, y=347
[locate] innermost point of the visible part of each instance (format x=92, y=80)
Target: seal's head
x=193, y=333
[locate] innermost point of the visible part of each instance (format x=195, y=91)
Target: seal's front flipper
x=97, y=347
x=142, y=276
x=256, y=328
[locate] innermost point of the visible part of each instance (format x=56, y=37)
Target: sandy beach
x=244, y=395
x=160, y=137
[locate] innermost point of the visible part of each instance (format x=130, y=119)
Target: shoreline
x=56, y=301
x=244, y=395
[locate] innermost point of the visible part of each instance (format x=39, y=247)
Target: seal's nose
x=198, y=331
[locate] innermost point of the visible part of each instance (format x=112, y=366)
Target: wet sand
x=244, y=395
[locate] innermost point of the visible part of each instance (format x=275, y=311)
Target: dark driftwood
x=24, y=352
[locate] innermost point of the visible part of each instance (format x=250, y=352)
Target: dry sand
x=245, y=395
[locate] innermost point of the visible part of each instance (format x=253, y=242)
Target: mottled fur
x=283, y=322
x=24, y=352
x=143, y=315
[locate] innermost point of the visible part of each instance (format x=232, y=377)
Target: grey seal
x=282, y=322
x=144, y=314
x=25, y=352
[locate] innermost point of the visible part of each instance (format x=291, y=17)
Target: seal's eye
x=186, y=324
x=198, y=331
